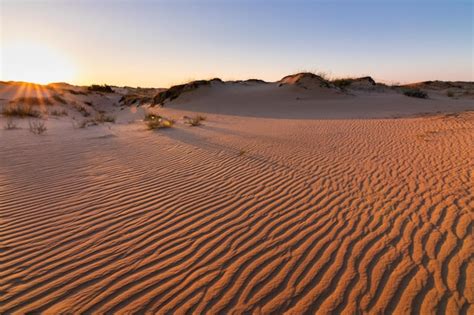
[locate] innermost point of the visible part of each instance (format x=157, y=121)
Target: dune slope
x=241, y=214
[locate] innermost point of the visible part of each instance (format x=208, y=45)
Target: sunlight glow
x=32, y=62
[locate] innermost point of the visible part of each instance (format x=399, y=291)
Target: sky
x=161, y=43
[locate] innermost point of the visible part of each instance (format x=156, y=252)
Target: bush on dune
x=58, y=98
x=101, y=118
x=415, y=93
x=20, y=110
x=58, y=113
x=32, y=101
x=342, y=83
x=100, y=88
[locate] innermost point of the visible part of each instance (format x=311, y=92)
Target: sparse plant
x=58, y=113
x=74, y=92
x=100, y=88
x=158, y=122
x=83, y=111
x=342, y=83
x=86, y=123
x=450, y=93
x=37, y=127
x=415, y=93
x=242, y=152
x=32, y=101
x=58, y=98
x=194, y=121
x=10, y=125
x=20, y=110
x=101, y=118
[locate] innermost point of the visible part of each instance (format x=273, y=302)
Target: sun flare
x=32, y=62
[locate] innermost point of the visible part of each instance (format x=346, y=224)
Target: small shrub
x=74, y=92
x=415, y=93
x=22, y=110
x=450, y=94
x=10, y=124
x=158, y=122
x=58, y=113
x=32, y=101
x=342, y=83
x=37, y=127
x=242, y=152
x=58, y=98
x=86, y=123
x=101, y=118
x=83, y=111
x=100, y=88
x=194, y=121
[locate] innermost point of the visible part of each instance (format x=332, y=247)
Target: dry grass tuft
x=58, y=113
x=37, y=127
x=11, y=125
x=102, y=118
x=58, y=98
x=32, y=101
x=194, y=121
x=20, y=110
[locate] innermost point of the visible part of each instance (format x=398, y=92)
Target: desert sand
x=289, y=198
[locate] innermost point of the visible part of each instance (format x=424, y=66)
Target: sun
x=36, y=63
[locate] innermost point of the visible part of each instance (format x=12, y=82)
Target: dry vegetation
x=100, y=88
x=56, y=112
x=102, y=118
x=37, y=127
x=415, y=93
x=58, y=98
x=20, y=110
x=195, y=120
x=158, y=122
x=32, y=101
x=11, y=124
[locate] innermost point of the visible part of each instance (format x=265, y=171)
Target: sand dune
x=266, y=208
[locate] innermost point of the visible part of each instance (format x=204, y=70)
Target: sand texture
x=248, y=213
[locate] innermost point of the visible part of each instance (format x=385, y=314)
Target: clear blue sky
x=158, y=43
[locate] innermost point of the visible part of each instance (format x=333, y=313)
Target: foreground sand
x=241, y=214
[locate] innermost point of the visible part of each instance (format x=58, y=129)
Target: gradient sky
x=160, y=43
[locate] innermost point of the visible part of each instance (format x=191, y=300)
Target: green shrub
x=158, y=122
x=342, y=83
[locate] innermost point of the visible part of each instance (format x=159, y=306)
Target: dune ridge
x=333, y=216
